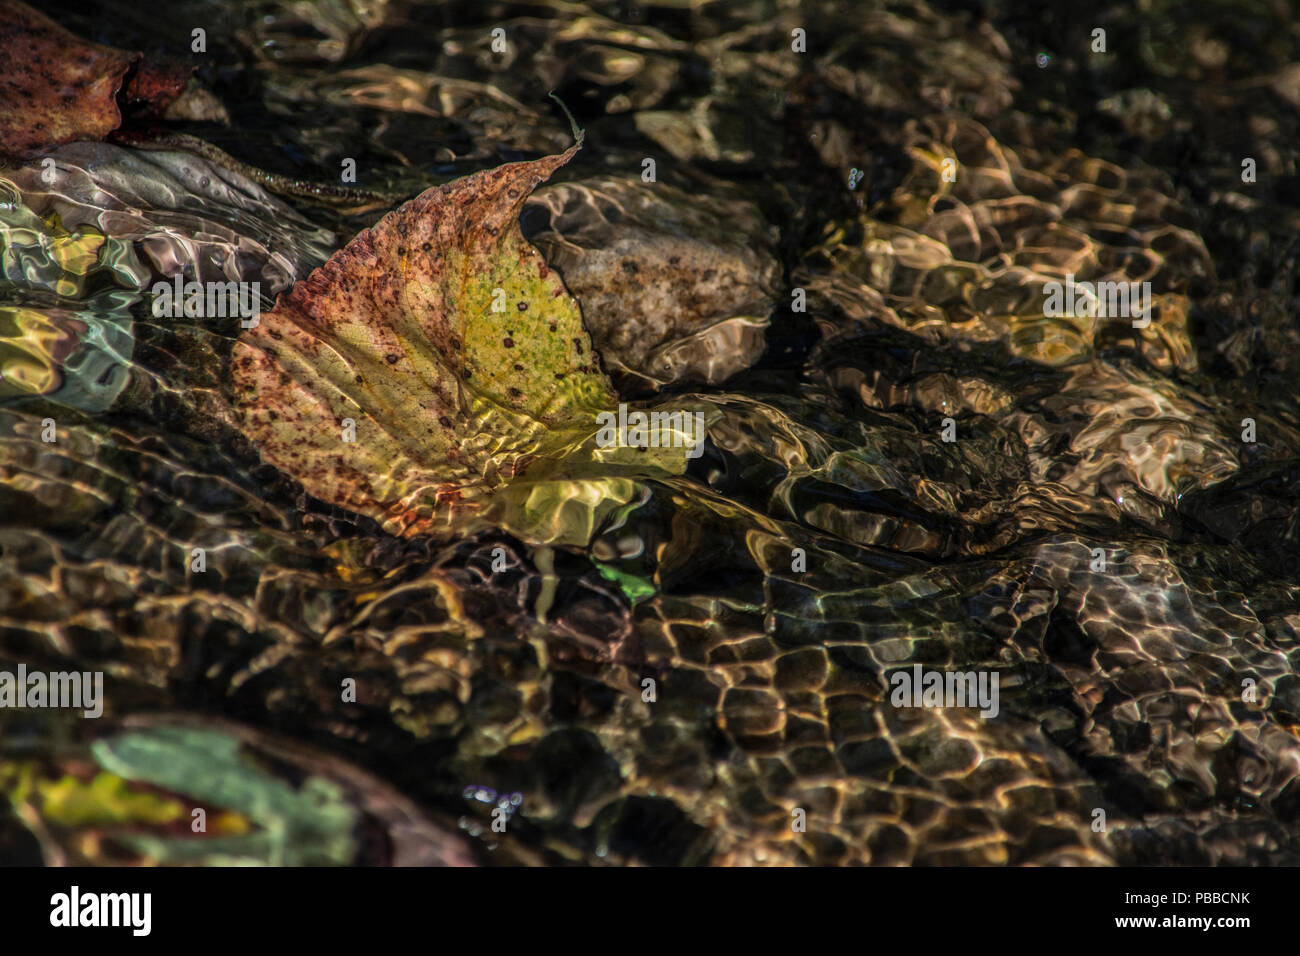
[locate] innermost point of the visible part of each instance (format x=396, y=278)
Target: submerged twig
x=353, y=200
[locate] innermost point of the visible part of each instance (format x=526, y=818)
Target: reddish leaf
x=54, y=87
x=153, y=87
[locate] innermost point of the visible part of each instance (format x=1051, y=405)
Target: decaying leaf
x=57, y=88
x=435, y=371
x=153, y=87
x=131, y=797
x=310, y=826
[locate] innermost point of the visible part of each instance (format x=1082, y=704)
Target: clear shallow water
x=1120, y=689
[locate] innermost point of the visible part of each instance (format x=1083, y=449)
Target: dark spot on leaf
x=391, y=358
x=523, y=307
x=508, y=343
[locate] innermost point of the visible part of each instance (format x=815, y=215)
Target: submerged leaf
x=463, y=365
x=56, y=88
x=106, y=799
x=634, y=587
x=309, y=826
